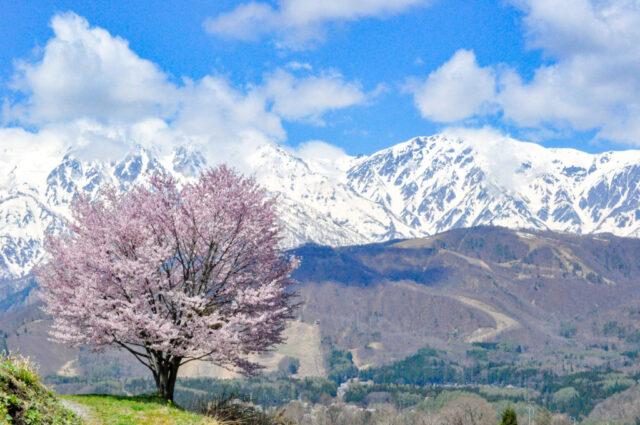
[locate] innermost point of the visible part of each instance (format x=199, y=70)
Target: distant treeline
x=404, y=383
x=575, y=394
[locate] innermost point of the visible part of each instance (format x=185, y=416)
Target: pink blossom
x=172, y=274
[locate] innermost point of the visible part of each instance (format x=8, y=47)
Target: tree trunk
x=165, y=376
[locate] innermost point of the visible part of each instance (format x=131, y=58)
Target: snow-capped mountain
x=439, y=183
x=424, y=186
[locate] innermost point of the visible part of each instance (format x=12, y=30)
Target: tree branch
x=137, y=355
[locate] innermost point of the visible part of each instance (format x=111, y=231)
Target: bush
x=288, y=365
x=228, y=409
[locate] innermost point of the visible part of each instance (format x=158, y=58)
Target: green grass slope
x=25, y=401
x=138, y=410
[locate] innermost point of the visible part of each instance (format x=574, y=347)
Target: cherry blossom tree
x=172, y=274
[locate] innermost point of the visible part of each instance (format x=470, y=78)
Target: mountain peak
x=423, y=186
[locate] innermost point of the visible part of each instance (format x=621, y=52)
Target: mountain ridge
x=551, y=293
x=420, y=187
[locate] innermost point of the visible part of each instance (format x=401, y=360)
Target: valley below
x=528, y=316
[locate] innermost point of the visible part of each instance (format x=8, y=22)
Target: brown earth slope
x=552, y=294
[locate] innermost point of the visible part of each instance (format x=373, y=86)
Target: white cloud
x=298, y=66
x=501, y=169
x=323, y=157
x=309, y=98
x=212, y=106
x=87, y=73
x=593, y=82
x=247, y=22
x=580, y=26
x=302, y=12
x=590, y=80
x=299, y=21
x=318, y=149
x=17, y=146
x=458, y=89
x=88, y=91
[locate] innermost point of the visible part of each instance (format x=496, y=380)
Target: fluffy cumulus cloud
x=458, y=89
x=298, y=21
x=590, y=80
x=213, y=106
x=308, y=98
x=86, y=71
x=593, y=79
x=88, y=90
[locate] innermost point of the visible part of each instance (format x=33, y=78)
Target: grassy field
x=140, y=410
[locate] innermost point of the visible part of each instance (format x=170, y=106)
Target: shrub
x=228, y=409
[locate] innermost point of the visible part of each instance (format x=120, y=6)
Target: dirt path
x=80, y=410
x=503, y=322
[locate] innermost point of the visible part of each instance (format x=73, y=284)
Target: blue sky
x=361, y=75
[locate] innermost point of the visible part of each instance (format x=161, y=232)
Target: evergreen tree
x=509, y=417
